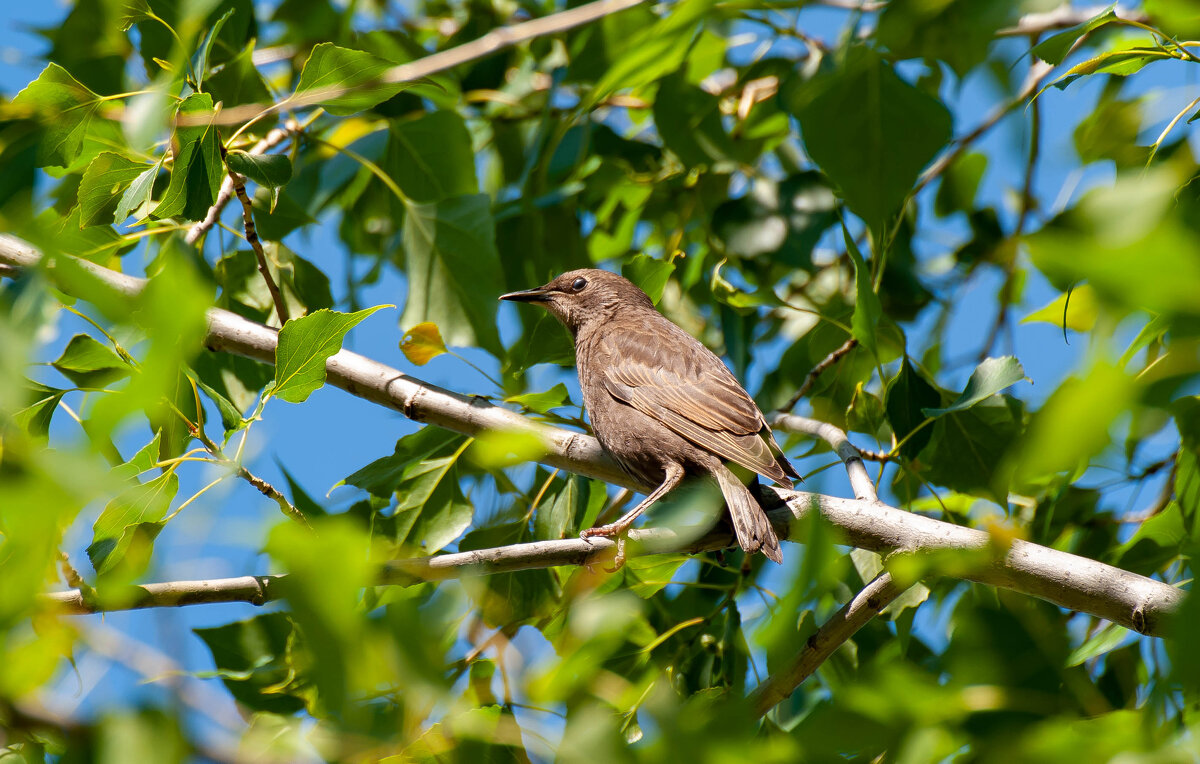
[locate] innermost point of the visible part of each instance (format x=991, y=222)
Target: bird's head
x=578, y=298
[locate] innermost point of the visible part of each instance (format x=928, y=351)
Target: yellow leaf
x=1081, y=310
x=422, y=343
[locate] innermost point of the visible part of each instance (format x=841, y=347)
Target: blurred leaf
x=1073, y=424
x=648, y=273
x=960, y=183
x=990, y=377
x=544, y=401
x=260, y=662
x=1054, y=49
x=305, y=344
x=383, y=477
x=66, y=109
x=561, y=513
x=784, y=220
x=1158, y=540
x=345, y=81
x=422, y=343
x=270, y=170
x=90, y=364
x=453, y=270
x=431, y=158
x=1075, y=310
x=102, y=189
x=238, y=81
x=954, y=31
x=507, y=598
x=895, y=130
x=35, y=418
x=137, y=513
x=197, y=170
x=1103, y=641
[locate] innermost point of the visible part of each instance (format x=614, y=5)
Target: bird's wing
x=682, y=384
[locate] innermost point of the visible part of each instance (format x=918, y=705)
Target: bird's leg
x=674, y=474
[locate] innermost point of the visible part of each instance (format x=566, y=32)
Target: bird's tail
x=750, y=523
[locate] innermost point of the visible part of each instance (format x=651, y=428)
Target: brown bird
x=661, y=404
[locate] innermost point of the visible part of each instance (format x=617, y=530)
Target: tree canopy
x=952, y=249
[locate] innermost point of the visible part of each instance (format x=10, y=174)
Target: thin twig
x=239, y=188
x=1063, y=17
x=492, y=42
x=817, y=371
x=262, y=486
x=855, y=614
x=1027, y=201
x=270, y=141
x=1038, y=71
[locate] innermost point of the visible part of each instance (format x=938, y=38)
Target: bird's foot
x=616, y=531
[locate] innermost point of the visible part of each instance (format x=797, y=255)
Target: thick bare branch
x=1064, y=16
x=854, y=615
x=1067, y=580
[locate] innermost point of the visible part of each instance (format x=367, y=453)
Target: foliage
x=779, y=183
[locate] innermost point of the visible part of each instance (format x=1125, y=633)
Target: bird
x=662, y=405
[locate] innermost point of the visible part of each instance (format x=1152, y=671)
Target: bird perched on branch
x=661, y=404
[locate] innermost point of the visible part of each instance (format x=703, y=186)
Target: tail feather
x=750, y=523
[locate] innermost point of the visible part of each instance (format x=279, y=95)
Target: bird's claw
x=617, y=535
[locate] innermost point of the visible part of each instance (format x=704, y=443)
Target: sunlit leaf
x=305, y=344
x=422, y=343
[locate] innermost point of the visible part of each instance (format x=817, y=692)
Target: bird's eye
x=578, y=284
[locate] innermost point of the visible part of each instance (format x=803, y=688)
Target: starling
x=661, y=404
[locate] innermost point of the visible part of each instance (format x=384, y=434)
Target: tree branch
x=854, y=615
x=834, y=356
x=239, y=188
x=1063, y=17
x=270, y=141
x=1067, y=580
x=494, y=41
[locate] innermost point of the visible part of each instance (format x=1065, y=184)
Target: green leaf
x=967, y=447
x=305, y=344
x=547, y=341
x=431, y=157
x=559, y=514
x=907, y=395
x=270, y=170
x=35, y=418
x=1103, y=641
x=66, y=109
x=453, y=270
x=135, y=515
x=231, y=419
x=1076, y=310
x=238, y=81
x=201, y=61
x=259, y=662
x=957, y=32
x=654, y=52
x=197, y=171
x=383, y=477
x=137, y=198
x=102, y=188
x=543, y=402
x=894, y=129
x=90, y=364
x=345, y=81
x=648, y=273
x=867, y=309
x=1158, y=541
x=690, y=122
x=990, y=377
x=1073, y=424
x=1054, y=49
x=134, y=11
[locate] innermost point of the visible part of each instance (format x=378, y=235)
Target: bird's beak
x=539, y=294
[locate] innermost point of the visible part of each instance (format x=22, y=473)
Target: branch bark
x=1067, y=580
